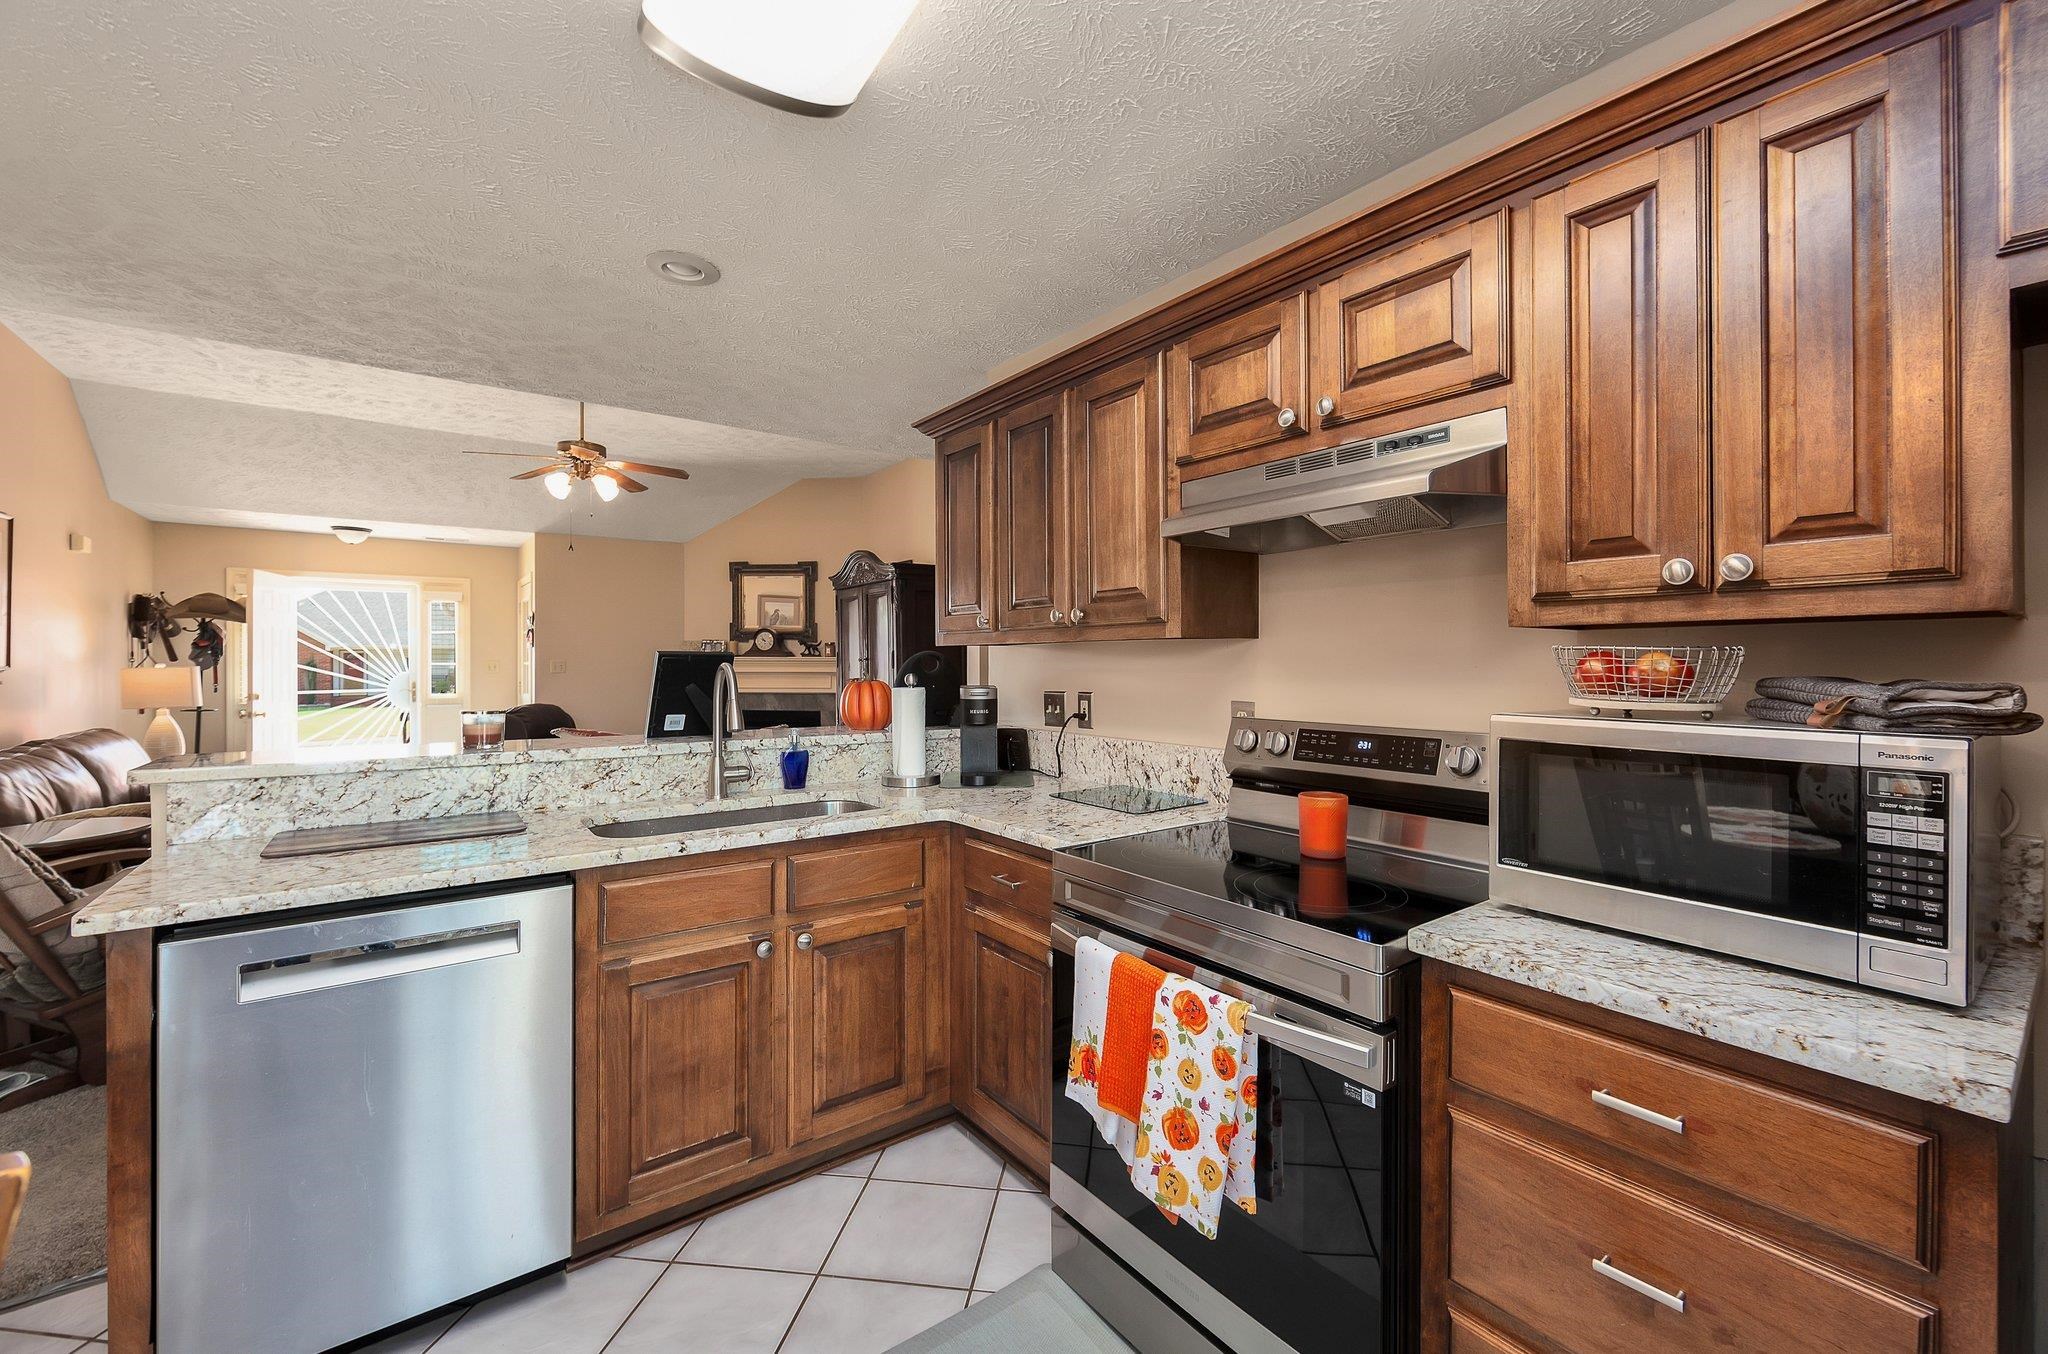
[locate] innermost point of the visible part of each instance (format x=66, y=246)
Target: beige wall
x=193, y=559
x=602, y=609
x=70, y=610
x=888, y=512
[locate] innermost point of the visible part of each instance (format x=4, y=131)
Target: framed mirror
x=778, y=597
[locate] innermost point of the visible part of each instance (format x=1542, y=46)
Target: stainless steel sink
x=710, y=818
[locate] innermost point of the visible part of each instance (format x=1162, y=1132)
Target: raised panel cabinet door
x=966, y=528
x=1618, y=379
x=1031, y=516
x=1239, y=384
x=1116, y=477
x=2023, y=123
x=687, y=1069
x=1419, y=323
x=857, y=1018
x=1835, y=456
x=1009, y=990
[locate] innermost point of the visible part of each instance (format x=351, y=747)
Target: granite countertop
x=1968, y=1058
x=216, y=766
x=209, y=881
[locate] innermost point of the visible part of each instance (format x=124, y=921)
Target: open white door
x=335, y=667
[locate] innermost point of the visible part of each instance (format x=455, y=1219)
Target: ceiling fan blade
x=471, y=451
x=642, y=468
x=536, y=472
x=626, y=482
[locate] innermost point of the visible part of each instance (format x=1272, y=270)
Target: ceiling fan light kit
x=810, y=57
x=578, y=458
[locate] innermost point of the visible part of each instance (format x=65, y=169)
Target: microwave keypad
x=1905, y=833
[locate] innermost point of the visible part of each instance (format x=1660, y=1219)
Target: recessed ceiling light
x=688, y=270
x=802, y=56
x=350, y=535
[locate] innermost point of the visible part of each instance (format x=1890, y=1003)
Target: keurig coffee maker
x=978, y=760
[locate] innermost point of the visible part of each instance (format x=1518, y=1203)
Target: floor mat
x=1038, y=1314
x=63, y=1233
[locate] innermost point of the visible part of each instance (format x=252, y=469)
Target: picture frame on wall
x=6, y=591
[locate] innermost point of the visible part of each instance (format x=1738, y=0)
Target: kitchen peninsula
x=817, y=984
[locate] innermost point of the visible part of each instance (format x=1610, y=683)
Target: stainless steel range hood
x=1452, y=474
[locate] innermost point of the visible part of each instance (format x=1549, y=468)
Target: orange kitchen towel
x=1127, y=1036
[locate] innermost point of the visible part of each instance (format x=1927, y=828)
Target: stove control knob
x=1277, y=743
x=1462, y=760
x=1246, y=740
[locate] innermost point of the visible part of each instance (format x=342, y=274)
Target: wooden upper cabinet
x=1417, y=324
x=1617, y=387
x=1835, y=454
x=1030, y=508
x=686, y=1060
x=1239, y=385
x=966, y=568
x=857, y=1018
x=1116, y=479
x=2023, y=123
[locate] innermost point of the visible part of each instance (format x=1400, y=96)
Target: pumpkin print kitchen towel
x=1198, y=1132
x=1094, y=965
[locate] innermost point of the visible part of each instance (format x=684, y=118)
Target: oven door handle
x=1361, y=1061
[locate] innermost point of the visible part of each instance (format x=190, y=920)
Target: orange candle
x=1324, y=814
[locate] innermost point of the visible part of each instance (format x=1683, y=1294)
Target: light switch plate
x=1055, y=709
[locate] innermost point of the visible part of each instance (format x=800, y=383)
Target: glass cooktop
x=1371, y=895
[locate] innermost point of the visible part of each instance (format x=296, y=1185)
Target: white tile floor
x=851, y=1260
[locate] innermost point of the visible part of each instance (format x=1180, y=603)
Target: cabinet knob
x=1287, y=419
x=1326, y=406
x=803, y=940
x=1074, y=616
x=1735, y=568
x=1678, y=572
x=764, y=949
x=981, y=622
x=1058, y=616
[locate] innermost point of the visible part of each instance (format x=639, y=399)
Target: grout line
x=849, y=1278
x=981, y=1254
x=816, y=1274
x=661, y=1268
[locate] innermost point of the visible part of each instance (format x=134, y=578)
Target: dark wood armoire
x=884, y=614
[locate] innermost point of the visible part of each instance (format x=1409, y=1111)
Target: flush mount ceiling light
x=688, y=270
x=350, y=535
x=802, y=56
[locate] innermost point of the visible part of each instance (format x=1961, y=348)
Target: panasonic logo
x=1906, y=756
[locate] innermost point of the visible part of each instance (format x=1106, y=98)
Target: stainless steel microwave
x=1872, y=858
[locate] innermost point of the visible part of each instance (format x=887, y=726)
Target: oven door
x=1315, y=1269
x=1730, y=838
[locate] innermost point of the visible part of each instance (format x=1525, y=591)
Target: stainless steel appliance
x=1328, y=1261
x=1450, y=474
x=359, y=1118
x=1872, y=858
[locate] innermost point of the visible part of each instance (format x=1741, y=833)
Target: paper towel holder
x=907, y=677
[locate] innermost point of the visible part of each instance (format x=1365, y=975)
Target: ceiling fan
x=582, y=459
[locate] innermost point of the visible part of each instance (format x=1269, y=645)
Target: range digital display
x=1377, y=752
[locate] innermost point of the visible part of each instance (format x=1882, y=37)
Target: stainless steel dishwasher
x=360, y=1118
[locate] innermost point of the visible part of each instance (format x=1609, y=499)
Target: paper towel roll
x=906, y=731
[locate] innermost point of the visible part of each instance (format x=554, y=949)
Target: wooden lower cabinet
x=856, y=1018
x=685, y=1066
x=711, y=1058
x=1584, y=1191
x=1006, y=983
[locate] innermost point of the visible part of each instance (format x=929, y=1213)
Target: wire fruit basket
x=1669, y=678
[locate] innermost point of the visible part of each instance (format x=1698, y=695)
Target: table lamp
x=165, y=688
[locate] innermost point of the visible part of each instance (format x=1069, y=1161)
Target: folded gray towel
x=1908, y=706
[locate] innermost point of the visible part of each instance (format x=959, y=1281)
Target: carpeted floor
x=63, y=1233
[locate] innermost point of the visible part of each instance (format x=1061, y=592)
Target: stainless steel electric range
x=1327, y=1263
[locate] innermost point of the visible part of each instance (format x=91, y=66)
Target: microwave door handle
x=1342, y=1055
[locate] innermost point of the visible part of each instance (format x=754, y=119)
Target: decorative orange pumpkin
x=864, y=704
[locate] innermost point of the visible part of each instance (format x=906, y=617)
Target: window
x=444, y=646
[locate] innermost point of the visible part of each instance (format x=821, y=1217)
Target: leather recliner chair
x=80, y=772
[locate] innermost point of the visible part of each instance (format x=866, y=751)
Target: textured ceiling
x=466, y=188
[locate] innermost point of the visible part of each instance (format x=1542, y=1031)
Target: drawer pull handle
x=1607, y=1270
x=1613, y=1102
x=1012, y=884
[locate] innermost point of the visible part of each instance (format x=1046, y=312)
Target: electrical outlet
x=1243, y=709
x=1055, y=709
x=1084, y=706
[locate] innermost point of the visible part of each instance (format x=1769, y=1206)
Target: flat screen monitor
x=680, y=704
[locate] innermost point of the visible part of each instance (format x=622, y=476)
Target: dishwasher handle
x=296, y=975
